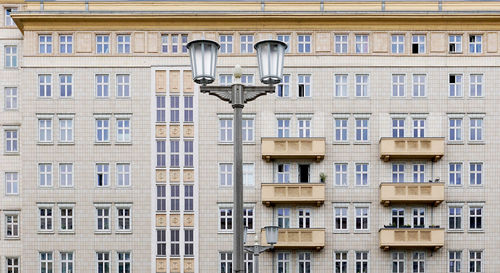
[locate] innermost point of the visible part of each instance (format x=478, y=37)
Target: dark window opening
x=304, y=173
x=301, y=90
x=452, y=78
x=100, y=179
x=414, y=48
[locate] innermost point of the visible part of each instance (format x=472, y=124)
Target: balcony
x=296, y=148
x=426, y=193
x=411, y=238
x=298, y=238
x=411, y=148
x=293, y=193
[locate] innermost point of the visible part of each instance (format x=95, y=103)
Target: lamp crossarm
x=237, y=94
x=222, y=92
x=258, y=249
x=253, y=92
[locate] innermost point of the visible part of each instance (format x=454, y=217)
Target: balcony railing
x=292, y=147
x=430, y=193
x=411, y=238
x=298, y=238
x=411, y=148
x=293, y=193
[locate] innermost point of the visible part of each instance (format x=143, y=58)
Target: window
x=305, y=262
x=418, y=44
x=419, y=127
x=225, y=130
x=45, y=44
x=65, y=86
x=419, y=85
x=102, y=175
x=304, y=216
x=361, y=85
x=46, y=262
x=341, y=86
x=418, y=172
x=11, y=141
x=184, y=41
x=340, y=129
x=11, y=183
x=398, y=127
x=398, y=44
x=66, y=219
x=476, y=174
x=164, y=43
x=341, y=43
x=225, y=174
x=188, y=197
x=398, y=217
x=476, y=218
x=102, y=130
x=341, y=219
x=247, y=79
x=8, y=19
x=475, y=261
x=161, y=198
x=175, y=247
x=174, y=109
x=283, y=88
x=455, y=43
x=361, y=172
x=455, y=261
x=123, y=175
x=362, y=262
x=455, y=84
x=160, y=108
x=283, y=127
x=174, y=153
x=418, y=217
x=123, y=86
x=398, y=85
x=248, y=174
x=361, y=129
x=476, y=43
x=246, y=44
x=45, y=219
x=225, y=79
x=226, y=43
x=285, y=39
x=248, y=218
x=188, y=109
x=304, y=43
x=248, y=129
x=175, y=43
x=340, y=261
x=340, y=174
x=418, y=262
x=45, y=130
x=175, y=198
x=476, y=129
x=455, y=129
x=161, y=156
x=45, y=175
x=66, y=130
x=66, y=175
x=123, y=42
x=283, y=217
x=283, y=173
x=161, y=242
x=103, y=262
x=45, y=85
x=361, y=43
x=189, y=242
x=124, y=262
x=304, y=127
x=11, y=225
x=102, y=44
x=476, y=85
x=283, y=262
x=455, y=171
x=362, y=219
x=226, y=262
x=455, y=218
x=13, y=265
x=10, y=98
x=225, y=219
x=304, y=87
x=123, y=130
x=124, y=219
x=398, y=262
x=304, y=173
x=398, y=173
x=10, y=56
x=66, y=44
x=102, y=214
x=102, y=85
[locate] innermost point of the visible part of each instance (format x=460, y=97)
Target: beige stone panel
x=350, y=6
x=175, y=220
x=438, y=42
x=161, y=81
x=78, y=6
x=153, y=42
x=174, y=81
x=161, y=176
x=139, y=42
x=188, y=81
x=189, y=220
x=161, y=265
x=211, y=36
x=380, y=42
x=161, y=131
x=84, y=42
x=323, y=42
x=175, y=131
x=468, y=6
x=175, y=265
x=263, y=36
x=188, y=265
x=30, y=43
x=175, y=176
x=295, y=6
x=492, y=39
x=189, y=131
x=161, y=220
x=188, y=176
x=411, y=6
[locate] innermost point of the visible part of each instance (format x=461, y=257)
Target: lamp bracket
x=237, y=94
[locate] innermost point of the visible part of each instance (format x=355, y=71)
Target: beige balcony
x=411, y=238
x=430, y=193
x=298, y=238
x=293, y=147
x=293, y=193
x=411, y=148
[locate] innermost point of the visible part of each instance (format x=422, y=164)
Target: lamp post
x=270, y=55
x=256, y=249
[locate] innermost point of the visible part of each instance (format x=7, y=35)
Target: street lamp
x=256, y=249
x=270, y=55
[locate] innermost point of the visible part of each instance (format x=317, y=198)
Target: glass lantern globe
x=270, y=55
x=203, y=55
x=271, y=234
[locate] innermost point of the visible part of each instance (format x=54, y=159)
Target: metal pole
x=238, y=254
x=256, y=262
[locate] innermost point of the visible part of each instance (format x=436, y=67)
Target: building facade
x=377, y=152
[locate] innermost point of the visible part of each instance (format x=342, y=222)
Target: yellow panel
x=83, y=42
x=139, y=42
x=174, y=81
x=161, y=81
x=188, y=81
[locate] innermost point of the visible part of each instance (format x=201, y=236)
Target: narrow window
x=340, y=261
x=283, y=127
x=103, y=262
x=455, y=218
x=398, y=44
x=285, y=39
x=102, y=130
x=361, y=85
x=47, y=262
x=283, y=217
x=341, y=43
x=455, y=171
x=476, y=43
x=124, y=262
x=246, y=44
x=66, y=175
x=398, y=217
x=361, y=43
x=10, y=98
x=102, y=175
x=102, y=44
x=123, y=86
x=418, y=44
x=455, y=129
x=418, y=217
x=66, y=219
x=398, y=85
x=65, y=44
x=304, y=43
x=455, y=43
x=45, y=44
x=398, y=173
x=341, y=86
x=10, y=56
x=123, y=43
x=455, y=85
x=175, y=154
x=341, y=174
x=102, y=85
x=304, y=86
x=283, y=88
x=455, y=261
x=226, y=44
x=362, y=262
x=341, y=219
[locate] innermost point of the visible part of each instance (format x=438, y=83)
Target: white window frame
x=341, y=257
x=67, y=262
x=362, y=43
x=283, y=261
x=341, y=126
x=11, y=141
x=47, y=173
x=455, y=43
x=248, y=127
x=123, y=45
x=226, y=43
x=362, y=126
x=476, y=174
x=45, y=43
x=361, y=173
x=455, y=85
x=341, y=174
x=362, y=85
x=249, y=174
x=46, y=219
x=304, y=127
x=420, y=40
x=103, y=218
x=226, y=170
x=44, y=86
x=283, y=88
x=226, y=129
x=341, y=43
x=456, y=128
x=102, y=125
x=249, y=216
x=8, y=19
x=454, y=261
x=476, y=46
x=223, y=216
x=284, y=175
x=284, y=217
x=304, y=43
x=457, y=174
x=102, y=44
x=103, y=259
x=304, y=262
x=285, y=38
x=475, y=261
x=123, y=175
x=103, y=170
x=397, y=43
x=11, y=183
x=398, y=86
x=283, y=130
x=46, y=261
x=45, y=131
x=11, y=98
x=418, y=262
x=476, y=86
x=11, y=57
x=12, y=223
x=398, y=258
x=341, y=213
x=65, y=43
x=66, y=130
x=418, y=172
x=476, y=129
x=476, y=212
x=124, y=260
x=398, y=172
x=102, y=86
x=456, y=215
x=13, y=264
x=341, y=86
x=362, y=261
x=67, y=218
x=419, y=85
x=306, y=81
x=246, y=43
x=123, y=86
x=124, y=218
x=66, y=175
x=123, y=130
x=418, y=216
x=419, y=127
x=65, y=85
x=362, y=213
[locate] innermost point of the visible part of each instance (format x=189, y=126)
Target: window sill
x=123, y=232
x=341, y=232
x=17, y=238
x=45, y=143
x=451, y=142
x=475, y=231
x=66, y=232
x=124, y=143
x=362, y=232
x=362, y=143
x=104, y=232
x=472, y=142
x=456, y=186
x=11, y=153
x=455, y=231
x=102, y=143
x=45, y=232
x=225, y=143
x=341, y=143
x=66, y=143
x=249, y=143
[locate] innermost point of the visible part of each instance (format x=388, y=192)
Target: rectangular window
x=304, y=86
x=304, y=262
x=226, y=44
x=398, y=173
x=161, y=154
x=340, y=261
x=455, y=171
x=398, y=85
x=225, y=219
x=476, y=174
x=341, y=86
x=361, y=43
x=45, y=219
x=11, y=141
x=419, y=85
x=66, y=44
x=66, y=219
x=283, y=127
x=189, y=242
x=341, y=42
x=476, y=43
x=45, y=175
x=123, y=175
x=283, y=262
x=124, y=219
x=45, y=44
x=45, y=86
x=340, y=174
x=418, y=217
x=455, y=85
x=226, y=262
x=124, y=262
x=476, y=129
x=13, y=265
x=455, y=261
x=123, y=130
x=225, y=174
x=66, y=86
x=304, y=218
x=8, y=20
x=398, y=127
x=175, y=43
x=10, y=98
x=455, y=129
x=188, y=197
x=161, y=242
x=160, y=108
x=418, y=44
x=476, y=218
x=123, y=86
x=45, y=130
x=103, y=219
x=341, y=219
x=11, y=183
x=103, y=262
x=102, y=130
x=361, y=172
x=283, y=217
x=246, y=44
x=47, y=262
x=175, y=197
x=283, y=88
x=161, y=198
x=476, y=85
x=475, y=261
x=304, y=43
x=418, y=127
x=455, y=218
x=283, y=173
x=248, y=129
x=175, y=153
x=340, y=129
x=285, y=39
x=102, y=85
x=248, y=174
x=66, y=175
x=362, y=219
x=10, y=56
x=398, y=44
x=123, y=43
x=398, y=262
x=102, y=175
x=361, y=130
x=418, y=262
x=11, y=226
x=418, y=173
x=225, y=79
x=225, y=130
x=174, y=109
x=184, y=42
x=188, y=109
x=304, y=127
x=362, y=262
x=102, y=44
x=455, y=43
x=361, y=85
x=248, y=218
x=164, y=43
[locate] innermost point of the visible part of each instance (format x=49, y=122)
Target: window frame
x=65, y=43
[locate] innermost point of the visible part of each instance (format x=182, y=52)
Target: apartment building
x=377, y=152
